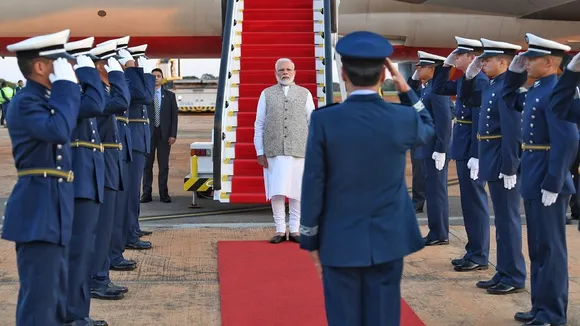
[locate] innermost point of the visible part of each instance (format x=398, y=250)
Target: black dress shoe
x=294, y=238
x=278, y=238
x=435, y=242
x=502, y=288
x=418, y=209
x=524, y=317
x=486, y=284
x=99, y=322
x=165, y=199
x=457, y=261
x=117, y=288
x=146, y=199
x=125, y=265
x=469, y=266
x=141, y=233
x=106, y=293
x=538, y=323
x=139, y=245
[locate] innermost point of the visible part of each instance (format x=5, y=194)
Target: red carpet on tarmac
x=265, y=284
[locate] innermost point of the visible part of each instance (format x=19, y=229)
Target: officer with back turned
x=365, y=140
x=39, y=212
x=549, y=149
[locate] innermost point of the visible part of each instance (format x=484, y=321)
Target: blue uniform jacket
x=89, y=163
x=438, y=107
x=141, y=95
x=542, y=169
x=41, y=122
x=361, y=143
x=502, y=154
x=464, y=144
x=563, y=103
x=117, y=101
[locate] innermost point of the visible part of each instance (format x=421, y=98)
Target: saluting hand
x=518, y=64
x=398, y=80
x=574, y=64
x=450, y=60
x=113, y=65
x=63, y=70
x=474, y=68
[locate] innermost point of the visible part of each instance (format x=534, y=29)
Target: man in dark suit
x=358, y=243
x=163, y=114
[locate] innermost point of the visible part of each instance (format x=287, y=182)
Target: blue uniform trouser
x=364, y=296
x=101, y=263
x=475, y=215
x=118, y=239
x=437, y=200
x=80, y=258
x=42, y=271
x=511, y=266
x=134, y=201
x=549, y=259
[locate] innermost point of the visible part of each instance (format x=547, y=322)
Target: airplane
x=192, y=28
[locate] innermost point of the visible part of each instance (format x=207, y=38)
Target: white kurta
x=284, y=173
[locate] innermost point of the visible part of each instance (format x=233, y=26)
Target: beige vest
x=286, y=125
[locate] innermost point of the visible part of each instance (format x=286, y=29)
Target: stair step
x=278, y=4
x=268, y=77
x=248, y=184
x=254, y=90
x=245, y=135
x=245, y=151
x=247, y=167
x=246, y=119
x=277, y=50
x=268, y=63
x=274, y=16
x=248, y=198
x=286, y=26
x=305, y=38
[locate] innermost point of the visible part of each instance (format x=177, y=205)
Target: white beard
x=285, y=82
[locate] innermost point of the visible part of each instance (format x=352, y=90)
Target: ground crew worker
x=464, y=150
x=39, y=211
x=380, y=221
x=499, y=138
x=89, y=168
x=6, y=94
x=434, y=153
x=549, y=148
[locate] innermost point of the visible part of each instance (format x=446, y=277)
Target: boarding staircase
x=261, y=32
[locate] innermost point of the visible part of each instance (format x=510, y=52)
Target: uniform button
x=531, y=133
x=534, y=108
x=533, y=117
x=462, y=117
x=531, y=142
x=91, y=122
x=487, y=132
x=52, y=111
x=487, y=140
x=490, y=102
x=537, y=100
x=93, y=131
x=488, y=116
x=524, y=103
x=464, y=105
x=60, y=180
x=58, y=168
x=59, y=146
x=92, y=140
x=488, y=109
x=532, y=125
x=487, y=125
x=59, y=157
x=94, y=149
x=492, y=94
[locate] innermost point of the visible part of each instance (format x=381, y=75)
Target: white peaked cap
x=138, y=51
x=49, y=46
x=426, y=59
x=538, y=47
x=105, y=50
x=493, y=48
x=121, y=43
x=466, y=45
x=80, y=47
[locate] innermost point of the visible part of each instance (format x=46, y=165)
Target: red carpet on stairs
x=265, y=284
x=271, y=29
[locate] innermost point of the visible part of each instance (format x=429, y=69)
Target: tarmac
x=177, y=283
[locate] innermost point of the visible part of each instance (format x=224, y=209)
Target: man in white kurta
x=281, y=130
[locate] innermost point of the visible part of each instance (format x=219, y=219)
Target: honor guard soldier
x=549, y=148
x=499, y=139
x=434, y=153
x=464, y=150
x=89, y=167
x=39, y=212
x=565, y=102
x=362, y=276
x=117, y=99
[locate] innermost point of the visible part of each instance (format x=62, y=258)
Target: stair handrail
x=220, y=103
x=328, y=9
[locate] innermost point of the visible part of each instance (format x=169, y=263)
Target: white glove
x=518, y=64
x=439, y=160
x=474, y=68
x=84, y=61
x=548, y=198
x=125, y=56
x=509, y=181
x=63, y=70
x=415, y=75
x=574, y=64
x=451, y=59
x=473, y=166
x=113, y=65
x=147, y=65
